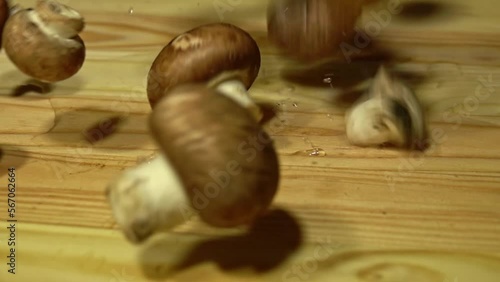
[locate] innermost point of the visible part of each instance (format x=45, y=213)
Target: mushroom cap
x=38, y=51
x=312, y=29
x=229, y=179
x=4, y=15
x=201, y=55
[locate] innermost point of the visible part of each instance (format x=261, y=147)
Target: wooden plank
x=385, y=214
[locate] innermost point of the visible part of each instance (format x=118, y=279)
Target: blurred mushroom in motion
x=312, y=29
x=216, y=161
x=388, y=113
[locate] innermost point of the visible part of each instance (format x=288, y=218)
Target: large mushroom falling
x=215, y=160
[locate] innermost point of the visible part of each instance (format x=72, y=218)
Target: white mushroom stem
x=14, y=9
x=149, y=198
x=236, y=90
x=370, y=123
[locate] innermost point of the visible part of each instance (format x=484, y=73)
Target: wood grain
x=349, y=214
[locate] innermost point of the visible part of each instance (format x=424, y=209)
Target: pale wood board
x=354, y=214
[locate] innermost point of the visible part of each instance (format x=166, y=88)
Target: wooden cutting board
x=343, y=213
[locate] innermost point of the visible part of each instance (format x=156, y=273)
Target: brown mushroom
x=43, y=42
x=312, y=29
x=389, y=113
x=221, y=55
x=216, y=161
x=4, y=15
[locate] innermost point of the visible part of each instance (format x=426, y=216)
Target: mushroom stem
x=148, y=198
x=235, y=90
x=54, y=18
x=371, y=123
x=14, y=9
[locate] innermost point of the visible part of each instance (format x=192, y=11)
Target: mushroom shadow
x=338, y=72
x=269, y=112
x=269, y=242
x=346, y=77
x=11, y=156
x=424, y=10
x=103, y=129
x=19, y=85
x=32, y=86
x=349, y=95
x=94, y=126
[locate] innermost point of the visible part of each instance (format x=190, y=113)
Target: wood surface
x=343, y=213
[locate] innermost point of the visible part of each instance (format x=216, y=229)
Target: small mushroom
x=43, y=42
x=389, y=113
x=312, y=29
x=223, y=56
x=216, y=161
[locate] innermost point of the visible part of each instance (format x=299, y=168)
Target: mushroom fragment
x=312, y=29
x=216, y=161
x=389, y=113
x=221, y=55
x=43, y=42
